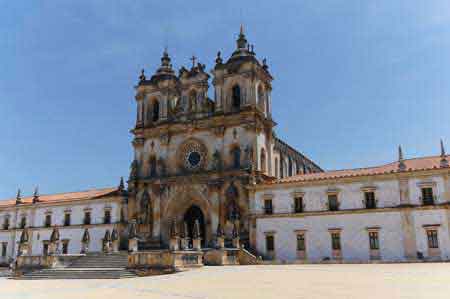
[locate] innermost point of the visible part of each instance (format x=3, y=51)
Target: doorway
x=192, y=214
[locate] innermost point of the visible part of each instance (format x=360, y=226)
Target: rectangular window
x=298, y=204
x=370, y=200
x=427, y=196
x=4, y=248
x=432, y=236
x=48, y=220
x=336, y=241
x=300, y=242
x=373, y=241
x=268, y=209
x=67, y=219
x=65, y=247
x=45, y=249
x=107, y=218
x=6, y=223
x=23, y=222
x=333, y=202
x=270, y=243
x=87, y=218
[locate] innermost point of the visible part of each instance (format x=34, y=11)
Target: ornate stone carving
x=248, y=158
x=192, y=155
x=217, y=162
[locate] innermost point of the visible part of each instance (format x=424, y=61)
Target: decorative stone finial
x=165, y=59
x=18, y=197
x=220, y=232
x=86, y=237
x=142, y=76
x=196, y=230
x=401, y=162
x=121, y=184
x=173, y=229
x=24, y=237
x=218, y=58
x=235, y=232
x=107, y=237
x=444, y=161
x=114, y=235
x=241, y=41
x=36, y=195
x=265, y=66
x=55, y=235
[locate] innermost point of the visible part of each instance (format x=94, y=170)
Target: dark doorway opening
x=192, y=214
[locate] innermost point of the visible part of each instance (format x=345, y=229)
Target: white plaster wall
x=432, y=217
x=315, y=197
x=354, y=235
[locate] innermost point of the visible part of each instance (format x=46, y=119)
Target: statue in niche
x=217, y=160
x=162, y=169
x=249, y=156
x=134, y=169
x=192, y=102
x=145, y=214
x=152, y=166
x=232, y=195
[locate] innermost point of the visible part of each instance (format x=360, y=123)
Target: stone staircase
x=91, y=266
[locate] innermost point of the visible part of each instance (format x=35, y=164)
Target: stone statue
x=249, y=156
x=217, y=160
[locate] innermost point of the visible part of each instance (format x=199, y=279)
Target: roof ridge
x=61, y=193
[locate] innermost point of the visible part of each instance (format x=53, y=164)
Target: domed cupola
x=164, y=72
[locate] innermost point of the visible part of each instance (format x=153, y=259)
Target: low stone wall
x=41, y=261
x=164, y=259
x=221, y=257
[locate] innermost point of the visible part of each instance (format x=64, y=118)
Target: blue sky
x=353, y=79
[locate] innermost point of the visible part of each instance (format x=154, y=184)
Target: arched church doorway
x=192, y=214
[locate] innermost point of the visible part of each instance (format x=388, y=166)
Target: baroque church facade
x=213, y=168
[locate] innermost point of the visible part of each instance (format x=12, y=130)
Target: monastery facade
x=213, y=170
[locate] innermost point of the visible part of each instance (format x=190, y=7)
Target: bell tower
x=242, y=82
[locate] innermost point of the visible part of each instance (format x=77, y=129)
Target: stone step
x=79, y=273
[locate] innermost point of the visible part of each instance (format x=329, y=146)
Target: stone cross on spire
x=193, y=59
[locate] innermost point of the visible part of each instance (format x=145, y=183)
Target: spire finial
x=142, y=76
x=401, y=162
x=121, y=184
x=18, y=197
x=165, y=59
x=36, y=194
x=193, y=59
x=444, y=161
x=241, y=41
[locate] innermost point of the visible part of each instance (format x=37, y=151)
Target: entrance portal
x=192, y=214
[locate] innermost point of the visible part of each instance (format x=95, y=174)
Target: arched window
x=236, y=97
x=236, y=155
x=290, y=166
x=155, y=111
x=276, y=167
x=263, y=160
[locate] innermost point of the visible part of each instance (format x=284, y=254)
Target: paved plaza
x=289, y=281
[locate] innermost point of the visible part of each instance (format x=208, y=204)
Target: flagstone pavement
x=431, y=280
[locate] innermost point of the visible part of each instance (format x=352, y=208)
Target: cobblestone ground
x=289, y=281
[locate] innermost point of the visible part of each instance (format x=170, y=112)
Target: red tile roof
x=62, y=197
x=424, y=163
